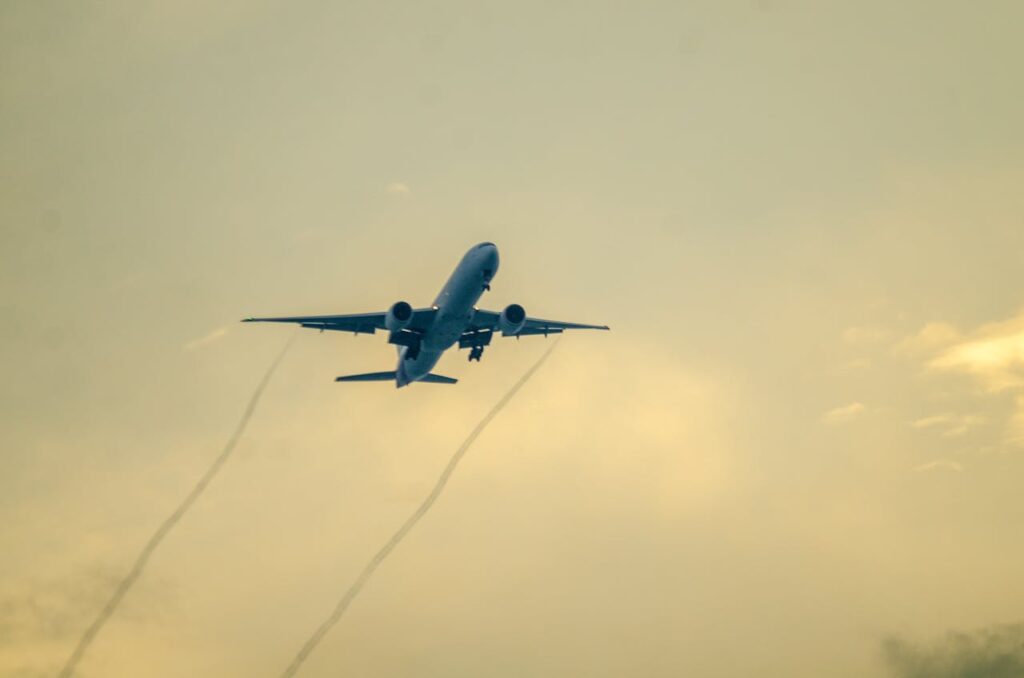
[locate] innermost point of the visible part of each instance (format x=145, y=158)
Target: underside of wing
x=358, y=323
x=538, y=325
x=491, y=320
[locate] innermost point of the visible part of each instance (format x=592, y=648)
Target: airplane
x=422, y=335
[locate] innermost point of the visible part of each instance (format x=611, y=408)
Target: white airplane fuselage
x=455, y=306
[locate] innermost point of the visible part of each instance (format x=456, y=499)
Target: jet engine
x=399, y=316
x=512, y=319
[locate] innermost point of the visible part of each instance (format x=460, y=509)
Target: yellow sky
x=804, y=436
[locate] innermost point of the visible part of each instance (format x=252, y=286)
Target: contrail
x=140, y=562
x=410, y=523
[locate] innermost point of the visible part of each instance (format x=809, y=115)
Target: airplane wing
x=488, y=320
x=357, y=323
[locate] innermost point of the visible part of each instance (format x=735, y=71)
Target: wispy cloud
x=843, y=414
x=206, y=339
x=398, y=188
x=930, y=338
x=1015, y=426
x=939, y=465
x=31, y=610
x=950, y=425
x=994, y=355
x=39, y=615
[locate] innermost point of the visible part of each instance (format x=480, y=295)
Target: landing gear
x=475, y=340
x=411, y=341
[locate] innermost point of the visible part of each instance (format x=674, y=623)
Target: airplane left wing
x=357, y=323
x=488, y=320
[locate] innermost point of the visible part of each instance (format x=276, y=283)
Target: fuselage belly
x=455, y=306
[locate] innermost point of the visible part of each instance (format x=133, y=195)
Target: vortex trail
x=169, y=523
x=410, y=523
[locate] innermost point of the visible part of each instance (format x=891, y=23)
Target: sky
x=797, y=454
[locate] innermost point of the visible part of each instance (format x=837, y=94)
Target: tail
x=438, y=379
x=392, y=375
x=371, y=376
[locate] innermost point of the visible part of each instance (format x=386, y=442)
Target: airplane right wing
x=488, y=320
x=357, y=323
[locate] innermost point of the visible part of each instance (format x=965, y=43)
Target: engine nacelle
x=399, y=316
x=512, y=319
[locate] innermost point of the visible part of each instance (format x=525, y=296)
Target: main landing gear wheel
x=476, y=353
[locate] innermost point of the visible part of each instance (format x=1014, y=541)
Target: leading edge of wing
x=366, y=323
x=323, y=319
x=489, y=320
x=353, y=322
x=537, y=323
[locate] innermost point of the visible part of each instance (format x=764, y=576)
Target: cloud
x=40, y=616
x=206, y=339
x=939, y=465
x=930, y=338
x=928, y=422
x=994, y=355
x=995, y=652
x=398, y=188
x=51, y=612
x=33, y=610
x=950, y=425
x=841, y=415
x=1015, y=426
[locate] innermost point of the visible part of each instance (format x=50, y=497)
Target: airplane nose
x=484, y=255
x=491, y=261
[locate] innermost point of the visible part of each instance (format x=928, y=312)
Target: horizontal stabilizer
x=438, y=379
x=370, y=376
